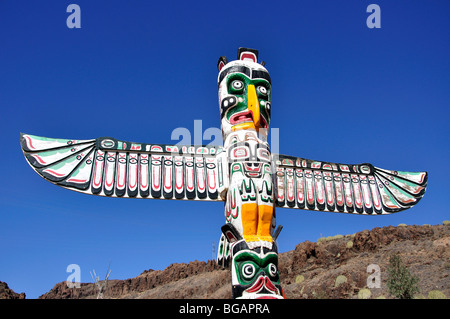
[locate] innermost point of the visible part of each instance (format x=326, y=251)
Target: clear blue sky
x=137, y=70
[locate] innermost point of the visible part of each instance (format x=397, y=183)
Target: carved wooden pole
x=243, y=173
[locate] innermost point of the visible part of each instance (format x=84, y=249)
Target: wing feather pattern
x=361, y=189
x=109, y=167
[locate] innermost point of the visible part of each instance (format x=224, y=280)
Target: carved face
x=255, y=272
x=244, y=97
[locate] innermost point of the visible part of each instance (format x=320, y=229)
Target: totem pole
x=242, y=173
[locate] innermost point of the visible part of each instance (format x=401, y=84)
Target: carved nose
x=253, y=104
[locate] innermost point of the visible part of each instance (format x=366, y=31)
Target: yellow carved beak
x=253, y=104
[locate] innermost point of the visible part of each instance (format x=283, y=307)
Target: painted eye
x=272, y=270
x=262, y=90
x=248, y=271
x=237, y=85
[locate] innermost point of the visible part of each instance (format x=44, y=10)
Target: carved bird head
x=244, y=93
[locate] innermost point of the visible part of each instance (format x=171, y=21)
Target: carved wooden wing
x=109, y=167
x=361, y=189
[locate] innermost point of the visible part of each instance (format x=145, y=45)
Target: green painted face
x=249, y=267
x=245, y=92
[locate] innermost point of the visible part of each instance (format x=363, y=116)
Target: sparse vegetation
x=349, y=244
x=401, y=283
x=364, y=293
x=299, y=279
x=436, y=294
x=321, y=294
x=329, y=238
x=341, y=279
x=446, y=222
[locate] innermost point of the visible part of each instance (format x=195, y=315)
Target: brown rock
x=424, y=249
x=7, y=293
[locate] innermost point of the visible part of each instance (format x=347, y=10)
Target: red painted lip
x=262, y=282
x=242, y=117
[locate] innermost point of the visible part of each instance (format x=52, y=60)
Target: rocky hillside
x=7, y=293
x=336, y=267
x=332, y=267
